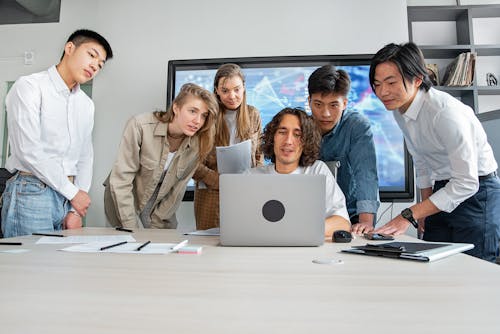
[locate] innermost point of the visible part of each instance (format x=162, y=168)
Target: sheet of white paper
x=128, y=248
x=15, y=251
x=234, y=159
x=210, y=231
x=84, y=239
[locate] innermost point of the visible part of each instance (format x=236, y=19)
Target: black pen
x=114, y=245
x=49, y=234
x=12, y=243
x=143, y=245
x=124, y=229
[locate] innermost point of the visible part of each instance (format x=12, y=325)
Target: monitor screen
x=273, y=83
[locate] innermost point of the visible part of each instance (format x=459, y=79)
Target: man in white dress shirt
x=291, y=140
x=456, y=169
x=50, y=121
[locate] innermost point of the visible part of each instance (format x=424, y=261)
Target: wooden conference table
x=239, y=289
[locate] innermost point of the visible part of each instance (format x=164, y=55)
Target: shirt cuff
x=130, y=224
x=442, y=201
x=424, y=182
x=367, y=206
x=69, y=190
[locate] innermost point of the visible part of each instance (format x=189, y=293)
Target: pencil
x=48, y=234
x=143, y=245
x=124, y=229
x=114, y=245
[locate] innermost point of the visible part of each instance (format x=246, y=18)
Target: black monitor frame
x=407, y=195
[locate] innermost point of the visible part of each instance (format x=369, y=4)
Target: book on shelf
x=471, y=69
x=460, y=72
x=432, y=70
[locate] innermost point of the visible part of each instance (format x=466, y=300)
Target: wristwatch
x=408, y=215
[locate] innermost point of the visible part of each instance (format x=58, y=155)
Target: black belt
x=481, y=178
x=487, y=176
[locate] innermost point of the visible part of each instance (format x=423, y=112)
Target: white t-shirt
x=170, y=156
x=230, y=117
x=335, y=200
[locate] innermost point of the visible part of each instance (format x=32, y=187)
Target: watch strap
x=408, y=215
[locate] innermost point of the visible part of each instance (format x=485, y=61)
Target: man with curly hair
x=292, y=141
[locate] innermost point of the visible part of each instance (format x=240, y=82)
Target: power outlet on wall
x=29, y=57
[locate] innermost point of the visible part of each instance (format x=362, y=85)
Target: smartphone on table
x=378, y=236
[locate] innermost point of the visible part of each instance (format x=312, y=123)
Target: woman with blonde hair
x=158, y=155
x=236, y=122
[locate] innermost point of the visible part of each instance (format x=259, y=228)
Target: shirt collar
x=415, y=106
x=59, y=83
x=298, y=170
x=162, y=129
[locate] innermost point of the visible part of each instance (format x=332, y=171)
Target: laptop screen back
x=272, y=210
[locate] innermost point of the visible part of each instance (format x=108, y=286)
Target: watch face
x=407, y=214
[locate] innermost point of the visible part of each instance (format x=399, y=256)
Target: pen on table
x=143, y=245
x=179, y=245
x=114, y=245
x=12, y=243
x=124, y=229
x=48, y=234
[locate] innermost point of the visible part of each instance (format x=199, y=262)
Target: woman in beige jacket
x=236, y=122
x=158, y=155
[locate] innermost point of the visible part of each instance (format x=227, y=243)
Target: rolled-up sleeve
x=457, y=137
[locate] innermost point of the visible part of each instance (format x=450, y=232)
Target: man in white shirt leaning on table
x=50, y=121
x=456, y=169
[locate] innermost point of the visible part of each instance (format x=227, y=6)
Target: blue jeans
x=31, y=206
x=475, y=221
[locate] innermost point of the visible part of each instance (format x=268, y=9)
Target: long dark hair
x=243, y=126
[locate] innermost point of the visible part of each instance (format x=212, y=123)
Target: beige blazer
x=137, y=171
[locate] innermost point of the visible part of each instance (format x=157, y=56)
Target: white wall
x=146, y=34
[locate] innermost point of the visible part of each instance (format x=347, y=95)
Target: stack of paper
x=234, y=159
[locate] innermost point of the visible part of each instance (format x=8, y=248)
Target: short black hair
x=327, y=80
x=84, y=35
x=409, y=60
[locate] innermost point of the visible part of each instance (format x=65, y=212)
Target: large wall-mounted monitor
x=273, y=83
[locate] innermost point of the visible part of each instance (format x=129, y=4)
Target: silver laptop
x=272, y=210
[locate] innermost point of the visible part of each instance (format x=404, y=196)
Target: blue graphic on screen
x=274, y=88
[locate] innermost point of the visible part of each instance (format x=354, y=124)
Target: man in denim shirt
x=347, y=145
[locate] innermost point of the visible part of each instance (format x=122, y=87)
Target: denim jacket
x=350, y=142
